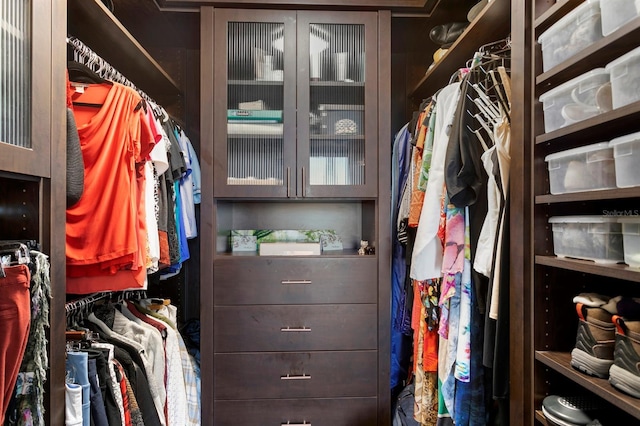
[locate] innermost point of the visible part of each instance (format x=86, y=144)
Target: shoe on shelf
x=595, y=340
x=445, y=35
x=625, y=371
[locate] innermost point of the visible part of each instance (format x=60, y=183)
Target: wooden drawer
x=295, y=375
x=310, y=412
x=295, y=328
x=255, y=280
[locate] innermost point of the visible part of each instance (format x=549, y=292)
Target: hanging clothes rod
x=86, y=56
x=91, y=299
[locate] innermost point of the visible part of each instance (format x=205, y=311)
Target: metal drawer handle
x=295, y=424
x=296, y=281
x=296, y=377
x=295, y=329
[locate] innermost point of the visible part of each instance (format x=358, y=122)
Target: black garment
x=465, y=177
x=139, y=385
x=106, y=388
x=75, y=162
x=98, y=412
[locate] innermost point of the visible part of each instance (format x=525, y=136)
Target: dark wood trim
x=92, y=23
x=521, y=332
x=491, y=24
x=300, y=3
x=207, y=220
x=383, y=226
x=53, y=215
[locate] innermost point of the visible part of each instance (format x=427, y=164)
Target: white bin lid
x=576, y=151
x=573, y=82
x=625, y=139
x=629, y=219
x=583, y=219
x=623, y=58
x=562, y=22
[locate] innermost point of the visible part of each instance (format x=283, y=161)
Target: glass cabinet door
x=337, y=114
x=24, y=94
x=255, y=139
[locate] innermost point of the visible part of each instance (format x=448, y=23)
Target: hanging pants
x=78, y=373
x=15, y=317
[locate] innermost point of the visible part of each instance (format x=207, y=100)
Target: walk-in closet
x=319, y=212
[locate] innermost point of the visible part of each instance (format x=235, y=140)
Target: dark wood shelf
x=561, y=362
x=336, y=84
x=607, y=194
x=603, y=127
x=619, y=271
x=255, y=83
x=336, y=137
x=492, y=23
x=597, y=55
x=333, y=253
x=92, y=23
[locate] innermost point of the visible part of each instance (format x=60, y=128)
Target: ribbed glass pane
x=255, y=103
x=15, y=72
x=337, y=81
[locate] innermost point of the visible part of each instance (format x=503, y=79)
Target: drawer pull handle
x=296, y=281
x=295, y=424
x=296, y=377
x=295, y=329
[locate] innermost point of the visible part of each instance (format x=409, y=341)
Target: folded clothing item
x=446, y=34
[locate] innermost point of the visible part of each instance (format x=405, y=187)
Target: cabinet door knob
x=295, y=329
x=288, y=182
x=303, y=183
x=296, y=377
x=295, y=424
x=296, y=281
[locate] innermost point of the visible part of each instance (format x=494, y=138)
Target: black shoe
x=446, y=34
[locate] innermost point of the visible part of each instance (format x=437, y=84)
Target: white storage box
x=578, y=99
x=626, y=152
x=616, y=13
x=631, y=240
x=586, y=168
x=595, y=238
x=578, y=29
x=625, y=78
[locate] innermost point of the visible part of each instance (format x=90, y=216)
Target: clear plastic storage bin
x=626, y=152
x=625, y=78
x=594, y=238
x=578, y=29
x=616, y=13
x=586, y=168
x=631, y=240
x=578, y=99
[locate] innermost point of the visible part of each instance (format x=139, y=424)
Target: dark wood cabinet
x=549, y=283
x=296, y=110
x=293, y=128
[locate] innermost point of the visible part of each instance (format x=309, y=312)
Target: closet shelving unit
x=557, y=280
x=96, y=26
x=490, y=25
